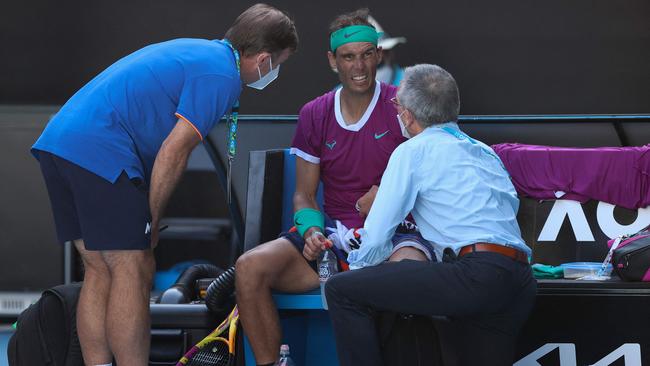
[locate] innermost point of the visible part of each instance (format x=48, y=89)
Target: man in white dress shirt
x=464, y=203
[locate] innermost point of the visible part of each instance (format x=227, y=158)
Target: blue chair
x=306, y=326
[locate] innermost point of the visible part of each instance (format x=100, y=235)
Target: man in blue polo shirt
x=113, y=154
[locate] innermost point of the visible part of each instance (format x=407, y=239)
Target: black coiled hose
x=219, y=295
x=182, y=292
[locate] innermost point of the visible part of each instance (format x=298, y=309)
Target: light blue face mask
x=267, y=79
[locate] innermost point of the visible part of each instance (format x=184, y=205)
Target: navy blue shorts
x=404, y=237
x=107, y=216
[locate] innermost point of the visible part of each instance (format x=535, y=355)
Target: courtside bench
x=580, y=322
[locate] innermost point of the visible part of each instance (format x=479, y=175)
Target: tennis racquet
x=215, y=349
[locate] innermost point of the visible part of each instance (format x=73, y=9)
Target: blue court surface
x=5, y=333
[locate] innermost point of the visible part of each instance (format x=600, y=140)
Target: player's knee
x=139, y=265
x=250, y=266
x=94, y=265
x=408, y=253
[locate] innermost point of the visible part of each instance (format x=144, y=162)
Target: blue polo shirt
x=118, y=121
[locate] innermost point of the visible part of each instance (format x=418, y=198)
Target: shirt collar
x=437, y=128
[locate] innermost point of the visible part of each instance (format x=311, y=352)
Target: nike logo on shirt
x=331, y=145
x=147, y=228
x=380, y=135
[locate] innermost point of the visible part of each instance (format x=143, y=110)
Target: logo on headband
x=348, y=35
x=353, y=33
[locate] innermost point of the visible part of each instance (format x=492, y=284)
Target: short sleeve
x=205, y=99
x=307, y=139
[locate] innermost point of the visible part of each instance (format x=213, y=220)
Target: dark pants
x=486, y=296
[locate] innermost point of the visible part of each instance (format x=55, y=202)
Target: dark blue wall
x=509, y=56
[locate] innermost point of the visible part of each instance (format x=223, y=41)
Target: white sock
x=106, y=364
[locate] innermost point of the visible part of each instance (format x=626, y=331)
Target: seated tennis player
x=344, y=138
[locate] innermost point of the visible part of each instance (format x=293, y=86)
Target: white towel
x=343, y=238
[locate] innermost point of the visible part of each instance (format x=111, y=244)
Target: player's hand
x=365, y=202
x=315, y=243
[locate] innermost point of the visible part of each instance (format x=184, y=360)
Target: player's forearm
x=167, y=171
x=304, y=200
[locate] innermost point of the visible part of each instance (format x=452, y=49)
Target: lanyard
x=462, y=136
x=232, y=125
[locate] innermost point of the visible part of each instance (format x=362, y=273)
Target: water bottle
x=285, y=360
x=326, y=269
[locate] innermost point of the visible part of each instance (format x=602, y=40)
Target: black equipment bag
x=46, y=333
x=631, y=259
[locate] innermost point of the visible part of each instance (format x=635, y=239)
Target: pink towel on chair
x=617, y=175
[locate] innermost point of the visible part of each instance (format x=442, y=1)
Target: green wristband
x=306, y=218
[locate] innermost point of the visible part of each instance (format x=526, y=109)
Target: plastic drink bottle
x=285, y=359
x=326, y=269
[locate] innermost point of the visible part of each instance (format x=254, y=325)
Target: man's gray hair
x=430, y=93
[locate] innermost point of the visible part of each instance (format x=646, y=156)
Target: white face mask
x=405, y=132
x=267, y=79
